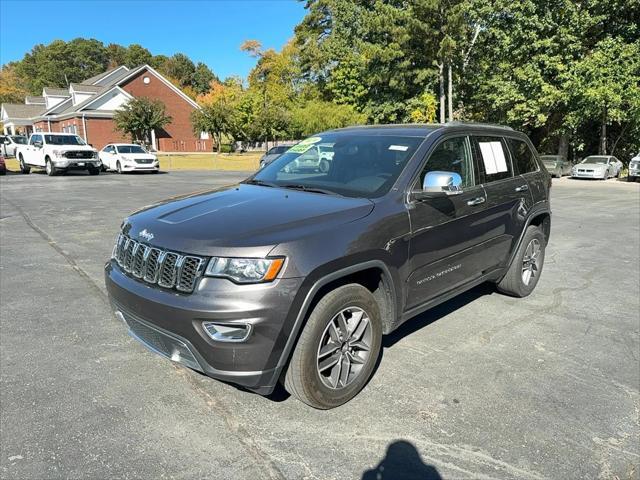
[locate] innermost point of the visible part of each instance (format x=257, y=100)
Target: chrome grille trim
x=153, y=265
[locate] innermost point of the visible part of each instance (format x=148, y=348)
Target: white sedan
x=597, y=166
x=128, y=157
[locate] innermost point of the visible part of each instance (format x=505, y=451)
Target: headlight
x=245, y=270
x=95, y=154
x=58, y=153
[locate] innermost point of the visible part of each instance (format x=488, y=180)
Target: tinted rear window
x=524, y=160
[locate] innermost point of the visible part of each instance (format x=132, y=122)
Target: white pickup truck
x=58, y=153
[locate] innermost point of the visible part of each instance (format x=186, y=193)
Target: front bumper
x=594, y=174
x=79, y=164
x=170, y=323
x=140, y=167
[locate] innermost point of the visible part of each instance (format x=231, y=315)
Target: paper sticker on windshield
x=399, y=148
x=304, y=145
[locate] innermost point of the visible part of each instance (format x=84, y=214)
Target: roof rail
x=457, y=123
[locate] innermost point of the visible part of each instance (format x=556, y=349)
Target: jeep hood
x=242, y=219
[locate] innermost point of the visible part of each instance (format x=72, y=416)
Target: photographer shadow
x=402, y=462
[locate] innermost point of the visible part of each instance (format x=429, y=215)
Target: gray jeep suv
x=294, y=276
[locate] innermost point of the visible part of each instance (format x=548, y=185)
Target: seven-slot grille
x=153, y=265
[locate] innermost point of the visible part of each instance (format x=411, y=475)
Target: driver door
x=32, y=151
x=447, y=232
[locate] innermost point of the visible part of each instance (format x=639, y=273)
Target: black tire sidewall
x=531, y=233
x=350, y=296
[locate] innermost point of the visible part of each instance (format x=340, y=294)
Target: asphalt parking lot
x=484, y=386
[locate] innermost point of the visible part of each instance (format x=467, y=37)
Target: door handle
x=476, y=201
x=522, y=188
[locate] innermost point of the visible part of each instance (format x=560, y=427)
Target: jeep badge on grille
x=148, y=236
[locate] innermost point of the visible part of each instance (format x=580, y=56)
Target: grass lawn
x=237, y=161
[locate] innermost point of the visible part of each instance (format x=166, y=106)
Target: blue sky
x=207, y=31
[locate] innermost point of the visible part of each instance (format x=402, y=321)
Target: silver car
x=597, y=166
x=634, y=168
x=556, y=165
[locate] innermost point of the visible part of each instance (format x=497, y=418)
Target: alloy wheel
x=344, y=348
x=531, y=261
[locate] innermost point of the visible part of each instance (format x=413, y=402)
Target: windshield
x=601, y=160
x=63, y=140
x=278, y=150
x=20, y=140
x=130, y=149
x=342, y=163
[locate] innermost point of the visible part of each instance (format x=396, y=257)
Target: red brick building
x=87, y=109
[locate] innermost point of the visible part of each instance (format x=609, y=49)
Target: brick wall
x=178, y=135
x=101, y=131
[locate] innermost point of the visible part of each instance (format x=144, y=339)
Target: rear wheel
x=525, y=270
x=24, y=168
x=337, y=349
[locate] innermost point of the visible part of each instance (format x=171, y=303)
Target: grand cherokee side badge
x=148, y=236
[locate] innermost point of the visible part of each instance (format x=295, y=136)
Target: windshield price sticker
x=304, y=145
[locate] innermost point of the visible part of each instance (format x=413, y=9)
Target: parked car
x=634, y=168
x=272, y=154
x=315, y=158
x=9, y=144
x=3, y=165
x=597, y=166
x=128, y=157
x=297, y=276
x=556, y=165
x=58, y=153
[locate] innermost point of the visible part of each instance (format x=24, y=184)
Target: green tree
x=137, y=56
x=140, y=116
x=61, y=63
x=316, y=116
x=202, y=78
x=219, y=114
x=179, y=67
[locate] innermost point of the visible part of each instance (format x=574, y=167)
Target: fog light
x=227, y=333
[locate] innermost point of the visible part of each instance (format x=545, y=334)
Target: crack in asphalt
x=260, y=458
x=69, y=259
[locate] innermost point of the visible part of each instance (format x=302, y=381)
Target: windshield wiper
x=305, y=188
x=253, y=181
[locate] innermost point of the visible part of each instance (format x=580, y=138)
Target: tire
x=103, y=168
x=631, y=179
x=515, y=282
x=606, y=176
x=24, y=168
x=94, y=171
x=304, y=379
x=324, y=165
x=118, y=167
x=49, y=168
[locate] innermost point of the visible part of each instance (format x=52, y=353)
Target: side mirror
x=439, y=184
x=7, y=141
x=37, y=144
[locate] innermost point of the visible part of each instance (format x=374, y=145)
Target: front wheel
x=118, y=167
x=337, y=349
x=94, y=171
x=24, y=168
x=49, y=168
x=525, y=270
x=631, y=179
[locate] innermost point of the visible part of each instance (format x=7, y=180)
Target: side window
x=524, y=159
x=452, y=155
x=493, y=159
x=35, y=138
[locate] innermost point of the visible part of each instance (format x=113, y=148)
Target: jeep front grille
x=153, y=265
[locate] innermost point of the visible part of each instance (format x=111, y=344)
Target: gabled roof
x=56, y=92
x=111, y=76
x=19, y=110
x=34, y=100
x=83, y=88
